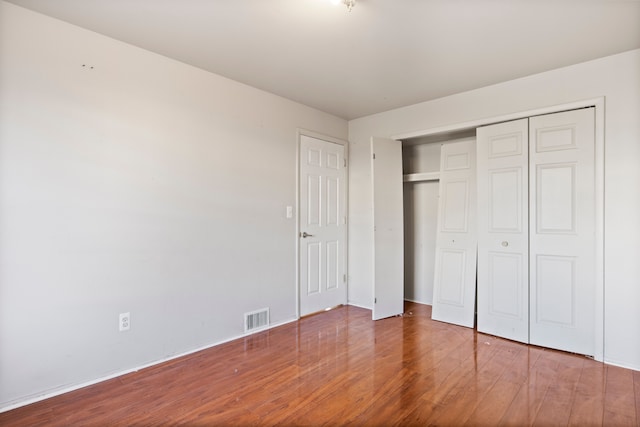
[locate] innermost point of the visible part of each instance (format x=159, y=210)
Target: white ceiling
x=381, y=55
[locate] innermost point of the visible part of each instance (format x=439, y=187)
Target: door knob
x=304, y=234
x=505, y=243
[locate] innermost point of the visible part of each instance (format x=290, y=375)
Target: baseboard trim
x=358, y=305
x=621, y=364
x=72, y=387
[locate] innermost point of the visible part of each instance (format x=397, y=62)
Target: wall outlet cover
x=125, y=322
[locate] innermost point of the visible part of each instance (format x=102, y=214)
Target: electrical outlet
x=125, y=322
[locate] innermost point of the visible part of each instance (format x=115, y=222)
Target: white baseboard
x=621, y=364
x=72, y=387
x=358, y=305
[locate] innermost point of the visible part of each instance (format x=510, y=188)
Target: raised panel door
x=503, y=273
x=562, y=241
x=455, y=267
x=322, y=225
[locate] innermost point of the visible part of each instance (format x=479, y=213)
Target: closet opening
x=421, y=175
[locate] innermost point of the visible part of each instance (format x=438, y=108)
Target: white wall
x=618, y=79
x=141, y=185
x=420, y=232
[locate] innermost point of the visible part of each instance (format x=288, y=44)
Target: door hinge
x=345, y=162
x=374, y=156
x=344, y=278
x=375, y=300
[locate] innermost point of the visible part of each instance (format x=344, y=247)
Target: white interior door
x=323, y=230
x=388, y=231
x=454, y=289
x=562, y=231
x=503, y=231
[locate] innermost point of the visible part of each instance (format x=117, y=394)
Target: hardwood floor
x=340, y=367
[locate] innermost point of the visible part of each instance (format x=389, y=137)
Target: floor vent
x=256, y=320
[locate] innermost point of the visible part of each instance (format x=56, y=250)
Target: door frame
x=305, y=132
x=599, y=104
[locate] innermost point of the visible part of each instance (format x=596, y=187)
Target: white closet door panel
x=503, y=271
x=388, y=233
x=506, y=199
x=562, y=246
x=456, y=242
x=454, y=205
x=451, y=272
x=506, y=288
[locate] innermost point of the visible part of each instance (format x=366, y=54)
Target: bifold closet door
x=503, y=230
x=536, y=230
x=562, y=231
x=388, y=228
x=456, y=242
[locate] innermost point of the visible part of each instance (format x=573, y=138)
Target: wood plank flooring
x=341, y=368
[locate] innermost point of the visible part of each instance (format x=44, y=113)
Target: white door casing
x=454, y=290
x=323, y=229
x=388, y=228
x=503, y=230
x=562, y=231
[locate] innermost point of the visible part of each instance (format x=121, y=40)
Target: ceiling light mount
x=349, y=4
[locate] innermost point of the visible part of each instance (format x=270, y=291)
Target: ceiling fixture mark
x=349, y=3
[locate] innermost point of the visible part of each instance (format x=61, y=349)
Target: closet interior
x=421, y=175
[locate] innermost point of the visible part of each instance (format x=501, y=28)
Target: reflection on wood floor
x=339, y=367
